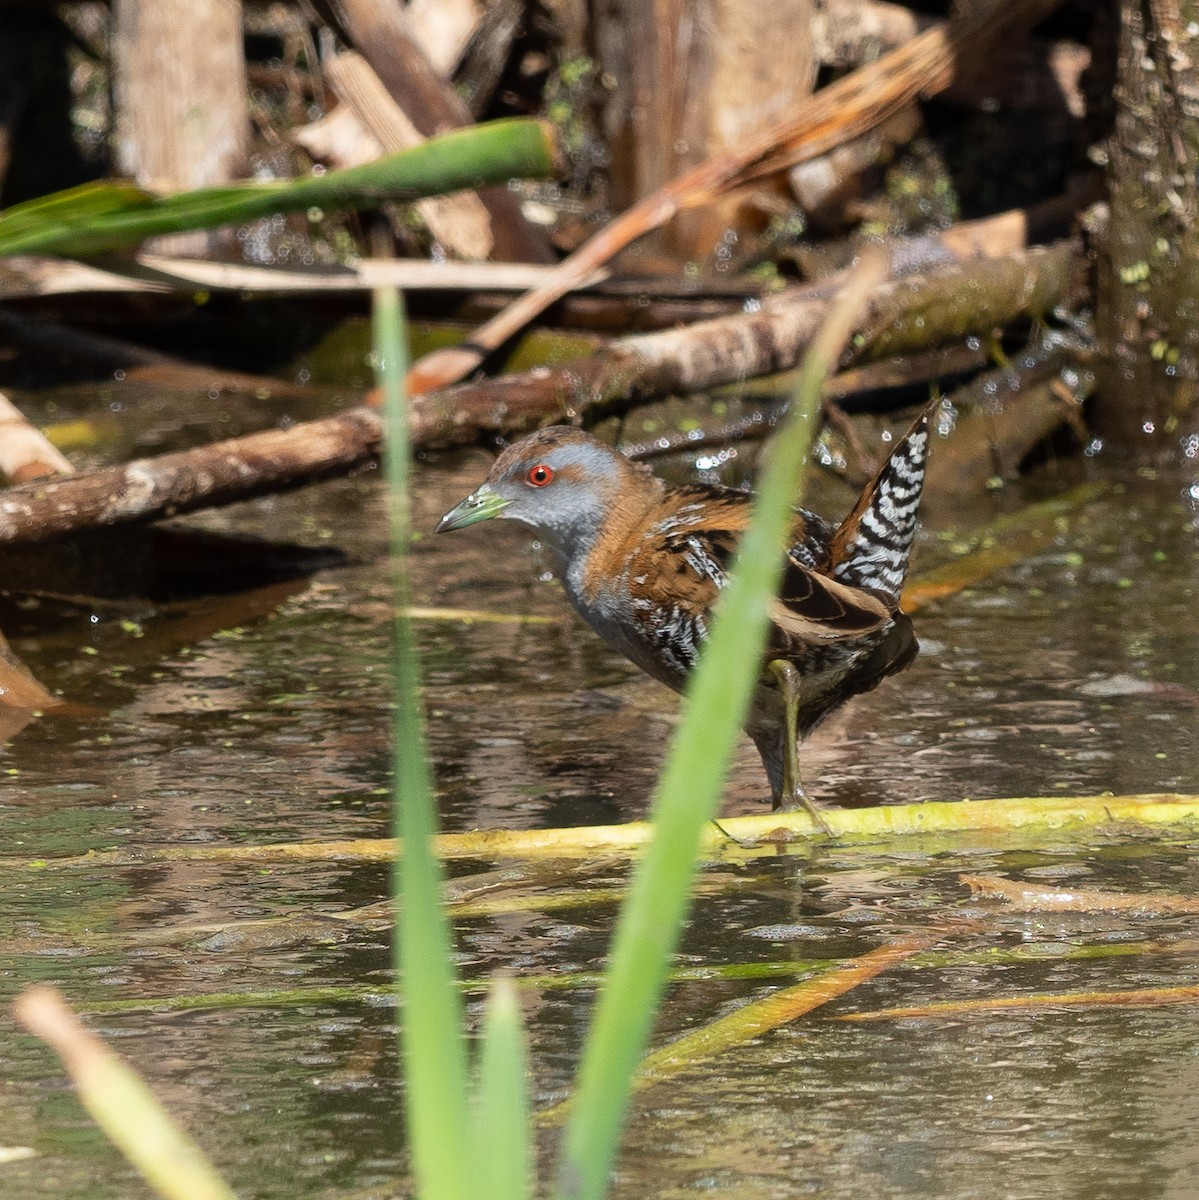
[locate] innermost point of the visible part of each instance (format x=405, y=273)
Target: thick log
x=835, y=114
x=950, y=302
x=905, y=314
x=1148, y=269
x=182, y=118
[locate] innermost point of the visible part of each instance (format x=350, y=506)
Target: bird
x=644, y=563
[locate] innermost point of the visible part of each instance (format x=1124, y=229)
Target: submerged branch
x=1027, y=897
x=759, y=1017
x=955, y=1008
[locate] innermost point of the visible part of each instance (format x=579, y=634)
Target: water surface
x=264, y=718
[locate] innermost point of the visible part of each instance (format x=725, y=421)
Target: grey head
x=561, y=481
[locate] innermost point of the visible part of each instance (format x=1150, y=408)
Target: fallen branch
x=905, y=314
x=990, y=441
x=836, y=114
x=26, y=275
x=758, y=1017
x=220, y=473
x=755, y=972
x=1027, y=897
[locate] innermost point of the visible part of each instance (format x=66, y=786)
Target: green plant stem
x=432, y=1019
x=690, y=788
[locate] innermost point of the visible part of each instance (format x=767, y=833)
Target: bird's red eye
x=540, y=475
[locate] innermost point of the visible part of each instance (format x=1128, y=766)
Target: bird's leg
x=792, y=795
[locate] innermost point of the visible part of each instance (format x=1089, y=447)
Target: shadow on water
x=262, y=716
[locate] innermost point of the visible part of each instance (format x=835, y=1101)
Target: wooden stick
x=845, y=110
x=906, y=314
x=459, y=221
x=30, y=275
x=25, y=453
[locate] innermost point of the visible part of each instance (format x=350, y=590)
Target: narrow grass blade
x=120, y=1103
x=503, y=1134
x=432, y=1048
x=690, y=786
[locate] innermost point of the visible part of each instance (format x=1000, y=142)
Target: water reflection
x=275, y=727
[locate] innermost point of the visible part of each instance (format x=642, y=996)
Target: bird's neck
x=600, y=553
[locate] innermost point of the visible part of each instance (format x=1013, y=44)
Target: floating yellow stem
x=475, y=616
x=1081, y=815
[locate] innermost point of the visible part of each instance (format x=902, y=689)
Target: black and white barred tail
x=873, y=545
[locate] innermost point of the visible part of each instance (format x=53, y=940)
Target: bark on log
x=913, y=312
x=844, y=110
x=169, y=484
x=1148, y=286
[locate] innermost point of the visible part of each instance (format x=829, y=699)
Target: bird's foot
x=796, y=798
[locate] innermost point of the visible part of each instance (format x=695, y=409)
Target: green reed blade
x=111, y=215
x=503, y=1133
x=431, y=1022
x=690, y=787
